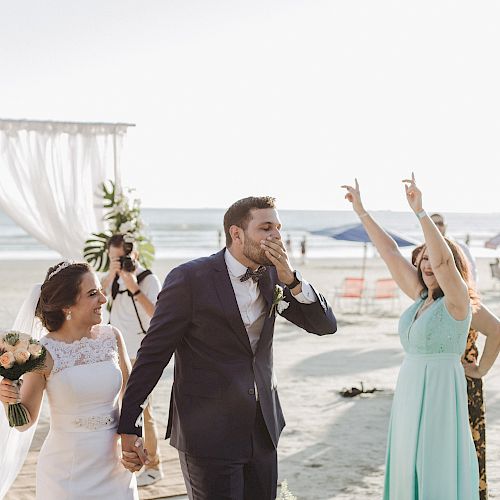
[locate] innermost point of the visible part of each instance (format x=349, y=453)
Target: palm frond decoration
x=123, y=217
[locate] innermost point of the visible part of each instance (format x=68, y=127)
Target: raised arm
x=455, y=289
x=484, y=321
x=401, y=270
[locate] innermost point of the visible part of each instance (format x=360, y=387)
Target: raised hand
x=413, y=194
x=276, y=253
x=354, y=196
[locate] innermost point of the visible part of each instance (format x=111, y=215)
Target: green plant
x=122, y=217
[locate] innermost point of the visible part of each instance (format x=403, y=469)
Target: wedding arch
x=50, y=172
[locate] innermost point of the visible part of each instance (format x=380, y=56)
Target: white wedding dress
x=80, y=456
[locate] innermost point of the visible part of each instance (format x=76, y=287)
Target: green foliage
x=123, y=217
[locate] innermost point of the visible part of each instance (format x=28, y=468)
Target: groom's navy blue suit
x=213, y=403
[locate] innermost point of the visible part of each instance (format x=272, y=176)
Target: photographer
x=133, y=291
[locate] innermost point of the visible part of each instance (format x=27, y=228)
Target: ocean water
x=190, y=233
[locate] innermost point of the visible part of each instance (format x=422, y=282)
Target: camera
x=127, y=263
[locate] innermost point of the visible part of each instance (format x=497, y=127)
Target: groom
x=217, y=315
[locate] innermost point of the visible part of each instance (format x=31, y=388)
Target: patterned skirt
x=476, y=414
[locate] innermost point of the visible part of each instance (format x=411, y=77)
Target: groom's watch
x=297, y=279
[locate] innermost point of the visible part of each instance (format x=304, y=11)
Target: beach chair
x=385, y=291
x=352, y=289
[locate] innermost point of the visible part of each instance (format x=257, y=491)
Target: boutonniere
x=279, y=304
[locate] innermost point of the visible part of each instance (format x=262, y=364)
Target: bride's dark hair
x=59, y=290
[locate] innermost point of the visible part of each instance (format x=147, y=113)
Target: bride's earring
x=68, y=316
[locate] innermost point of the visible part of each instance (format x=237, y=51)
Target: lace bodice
x=102, y=346
x=434, y=331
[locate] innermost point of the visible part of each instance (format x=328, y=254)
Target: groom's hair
x=239, y=213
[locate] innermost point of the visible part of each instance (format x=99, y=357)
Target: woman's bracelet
x=364, y=214
x=421, y=214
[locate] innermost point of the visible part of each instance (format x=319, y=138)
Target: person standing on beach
x=303, y=246
x=485, y=322
x=430, y=451
x=217, y=315
x=133, y=291
x=84, y=373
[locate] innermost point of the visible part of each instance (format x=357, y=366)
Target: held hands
x=134, y=456
x=354, y=196
x=276, y=253
x=413, y=194
x=10, y=391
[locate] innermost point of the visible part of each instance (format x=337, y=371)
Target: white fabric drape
x=49, y=178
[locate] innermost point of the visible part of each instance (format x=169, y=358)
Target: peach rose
x=23, y=344
x=21, y=356
x=7, y=347
x=35, y=350
x=7, y=360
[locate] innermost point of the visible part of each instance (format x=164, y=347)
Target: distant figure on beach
x=85, y=367
x=430, y=451
x=303, y=248
x=219, y=239
x=438, y=219
x=288, y=245
x=217, y=315
x=132, y=291
x=485, y=322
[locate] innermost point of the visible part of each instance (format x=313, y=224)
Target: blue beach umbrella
x=356, y=232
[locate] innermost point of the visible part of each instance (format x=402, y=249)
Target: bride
x=85, y=372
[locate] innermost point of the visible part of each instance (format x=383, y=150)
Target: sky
x=290, y=98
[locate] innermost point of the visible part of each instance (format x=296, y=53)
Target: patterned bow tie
x=255, y=275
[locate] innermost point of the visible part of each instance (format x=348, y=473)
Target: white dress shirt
x=251, y=303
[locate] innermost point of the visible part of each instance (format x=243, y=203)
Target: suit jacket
x=213, y=403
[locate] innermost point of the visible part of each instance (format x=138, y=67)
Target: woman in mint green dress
x=430, y=451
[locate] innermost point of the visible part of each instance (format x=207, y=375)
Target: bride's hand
x=9, y=391
x=354, y=196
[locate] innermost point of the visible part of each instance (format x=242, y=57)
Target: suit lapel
x=225, y=292
x=266, y=287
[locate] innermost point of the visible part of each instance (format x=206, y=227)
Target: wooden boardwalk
x=171, y=485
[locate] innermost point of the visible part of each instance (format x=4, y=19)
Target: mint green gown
x=430, y=451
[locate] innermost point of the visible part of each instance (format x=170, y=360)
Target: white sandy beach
x=332, y=447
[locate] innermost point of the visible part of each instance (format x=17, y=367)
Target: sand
x=332, y=447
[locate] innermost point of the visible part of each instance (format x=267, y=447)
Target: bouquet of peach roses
x=19, y=354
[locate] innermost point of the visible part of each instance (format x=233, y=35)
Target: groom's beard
x=253, y=251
